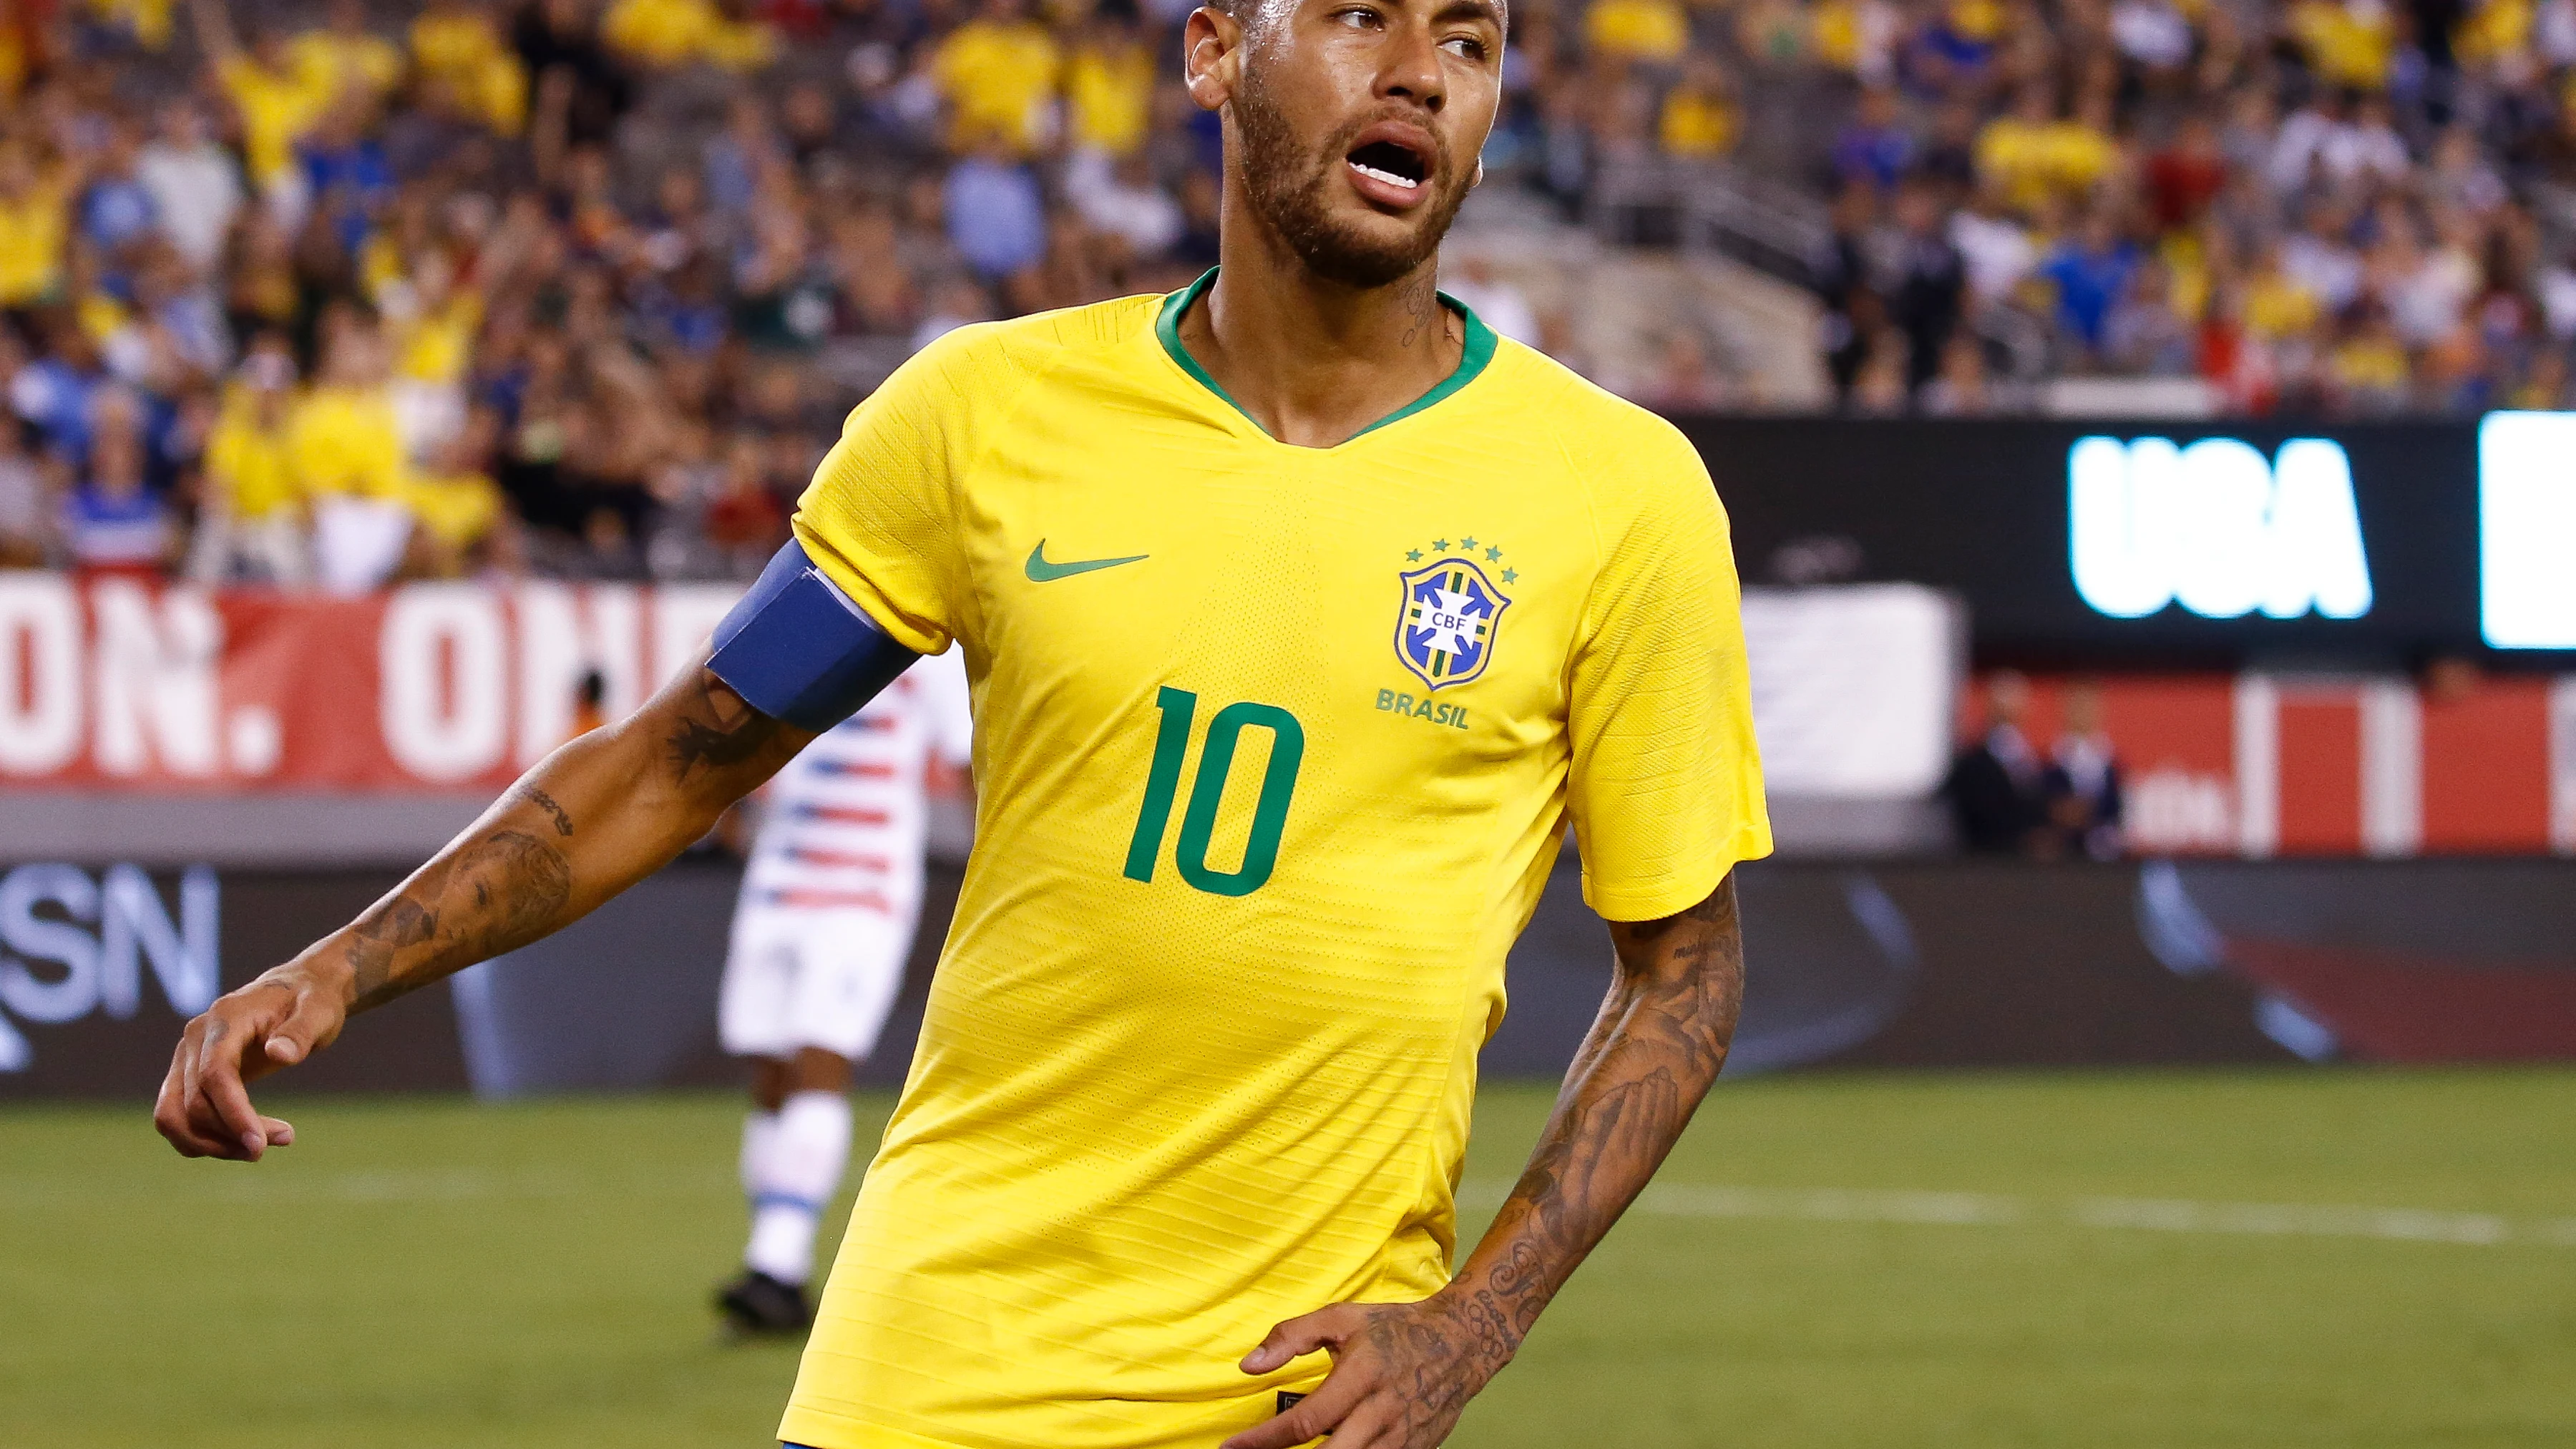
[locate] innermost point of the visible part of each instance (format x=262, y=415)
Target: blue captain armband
x=798, y=650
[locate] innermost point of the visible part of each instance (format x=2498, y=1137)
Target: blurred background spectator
x=350, y=292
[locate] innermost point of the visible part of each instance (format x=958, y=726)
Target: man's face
x=1356, y=124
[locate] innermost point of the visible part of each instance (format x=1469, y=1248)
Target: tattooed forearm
x=597, y=815
x=546, y=802
x=1657, y=1046
x=718, y=730
x=499, y=893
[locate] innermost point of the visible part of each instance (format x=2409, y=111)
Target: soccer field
x=2185, y=1259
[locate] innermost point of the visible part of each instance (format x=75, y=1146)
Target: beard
x=1287, y=189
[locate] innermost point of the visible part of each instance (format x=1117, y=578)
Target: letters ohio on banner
x=435, y=686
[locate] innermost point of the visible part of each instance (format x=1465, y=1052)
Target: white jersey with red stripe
x=842, y=825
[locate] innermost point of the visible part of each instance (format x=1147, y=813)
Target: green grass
x=428, y=1272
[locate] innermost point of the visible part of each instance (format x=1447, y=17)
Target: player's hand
x=1402, y=1373
x=276, y=1021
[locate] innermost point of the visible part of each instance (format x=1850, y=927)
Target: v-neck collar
x=1479, y=350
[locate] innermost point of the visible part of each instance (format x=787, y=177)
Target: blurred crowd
x=334, y=294
x=335, y=298
x=2344, y=206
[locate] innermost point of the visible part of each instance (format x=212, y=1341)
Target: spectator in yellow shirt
x=148, y=21
x=431, y=321
x=1655, y=31
x=2016, y=153
x=2350, y=44
x=2496, y=36
x=457, y=42
x=2278, y=306
x=278, y=100
x=2368, y=369
x=34, y=221
x=252, y=525
x=455, y=502
x=2081, y=148
x=347, y=443
x=345, y=55
x=998, y=74
x=673, y=33
x=345, y=439
x=1854, y=37
x=1109, y=88
x=1700, y=119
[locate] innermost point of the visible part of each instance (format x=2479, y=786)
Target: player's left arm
x=1402, y=1373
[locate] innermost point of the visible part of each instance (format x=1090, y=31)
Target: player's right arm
x=591, y=819
x=596, y=816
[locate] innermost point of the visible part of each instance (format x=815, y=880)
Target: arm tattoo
x=546, y=802
x=1661, y=1037
x=700, y=749
x=719, y=732
x=499, y=893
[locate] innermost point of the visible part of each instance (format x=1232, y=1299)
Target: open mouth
x=1391, y=163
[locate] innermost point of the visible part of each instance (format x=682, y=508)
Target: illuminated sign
x=2214, y=527
x=74, y=945
x=2527, y=530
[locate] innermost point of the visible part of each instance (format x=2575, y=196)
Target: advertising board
x=2156, y=543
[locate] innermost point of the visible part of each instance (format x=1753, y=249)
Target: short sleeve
x=1666, y=785
x=880, y=517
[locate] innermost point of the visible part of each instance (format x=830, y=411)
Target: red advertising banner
x=113, y=685
x=116, y=685
x=2263, y=765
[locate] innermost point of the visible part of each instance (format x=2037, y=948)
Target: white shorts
x=798, y=977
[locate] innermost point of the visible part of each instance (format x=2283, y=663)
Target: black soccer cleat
x=756, y=1303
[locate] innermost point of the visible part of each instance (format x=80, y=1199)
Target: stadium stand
x=352, y=293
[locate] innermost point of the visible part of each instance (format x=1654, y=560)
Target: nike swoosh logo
x=1043, y=572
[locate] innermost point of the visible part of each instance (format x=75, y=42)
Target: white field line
x=229, y=1183
x=217, y=1183
x=2171, y=1215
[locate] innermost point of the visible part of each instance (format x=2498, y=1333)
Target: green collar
x=1479, y=351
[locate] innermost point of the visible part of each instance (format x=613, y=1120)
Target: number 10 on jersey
x=1179, y=709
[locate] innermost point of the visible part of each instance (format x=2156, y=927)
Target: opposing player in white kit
x=824, y=925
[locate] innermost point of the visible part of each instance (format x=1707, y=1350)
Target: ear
x=1479, y=178
x=1212, y=56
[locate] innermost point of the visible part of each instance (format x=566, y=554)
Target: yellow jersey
x=999, y=79
x=347, y=440
x=32, y=231
x=1274, y=748
x=252, y=468
x=675, y=32
x=1654, y=30
x=1109, y=97
x=1697, y=123
x=334, y=64
x=277, y=108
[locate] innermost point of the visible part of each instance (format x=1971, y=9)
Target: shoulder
x=972, y=380
x=1617, y=448
x=983, y=364
x=1645, y=493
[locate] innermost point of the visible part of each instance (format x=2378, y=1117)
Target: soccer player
x=1303, y=618
x=829, y=902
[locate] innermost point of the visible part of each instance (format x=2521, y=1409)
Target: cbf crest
x=1445, y=631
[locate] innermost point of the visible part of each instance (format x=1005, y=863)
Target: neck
x=1313, y=361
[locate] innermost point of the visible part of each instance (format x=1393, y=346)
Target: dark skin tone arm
x=1403, y=1372
x=593, y=818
